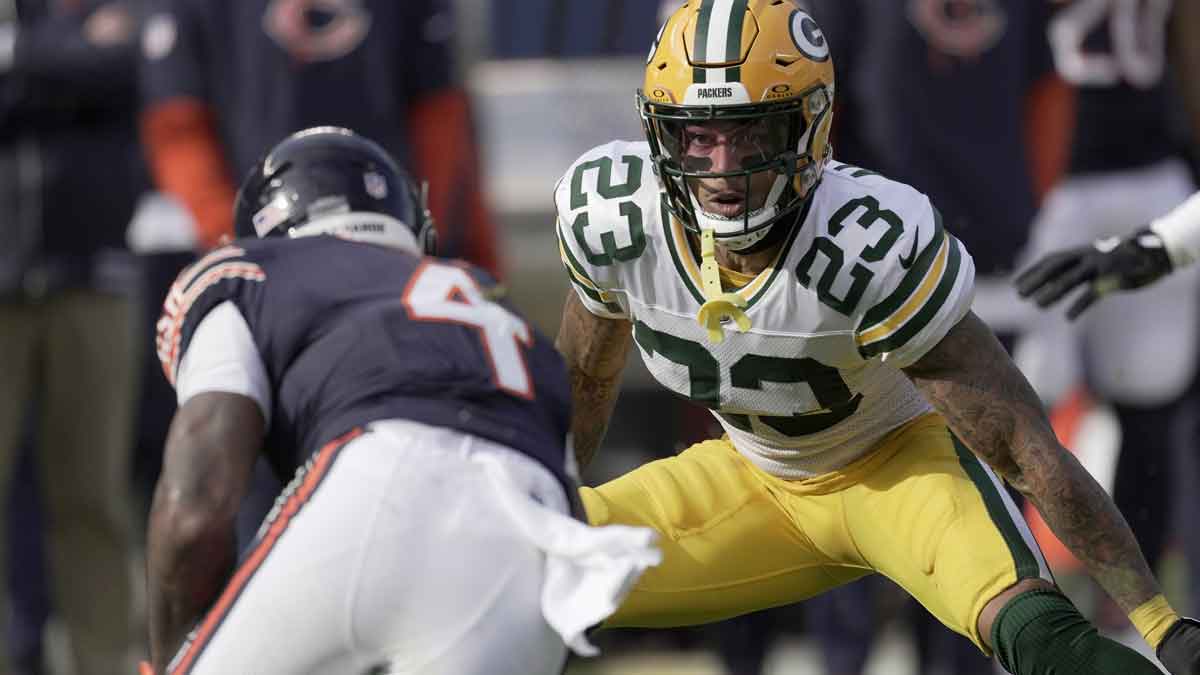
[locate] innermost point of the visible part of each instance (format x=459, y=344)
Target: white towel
x=589, y=570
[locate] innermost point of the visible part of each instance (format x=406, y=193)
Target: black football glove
x=1179, y=650
x=1105, y=266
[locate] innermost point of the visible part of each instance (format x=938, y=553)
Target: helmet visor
x=715, y=142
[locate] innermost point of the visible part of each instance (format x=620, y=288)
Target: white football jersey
x=864, y=286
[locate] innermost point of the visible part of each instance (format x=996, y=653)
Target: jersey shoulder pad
x=605, y=205
x=918, y=278
x=219, y=276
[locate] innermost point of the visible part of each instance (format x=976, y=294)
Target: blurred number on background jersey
x=447, y=294
x=1136, y=38
x=613, y=241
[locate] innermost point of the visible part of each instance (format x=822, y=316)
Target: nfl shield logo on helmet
x=271, y=215
x=376, y=185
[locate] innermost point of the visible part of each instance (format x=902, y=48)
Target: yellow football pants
x=920, y=508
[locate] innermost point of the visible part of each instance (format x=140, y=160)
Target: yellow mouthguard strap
x=720, y=305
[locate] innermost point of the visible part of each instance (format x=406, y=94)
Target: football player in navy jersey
x=423, y=425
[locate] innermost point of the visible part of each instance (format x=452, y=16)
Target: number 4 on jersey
x=447, y=293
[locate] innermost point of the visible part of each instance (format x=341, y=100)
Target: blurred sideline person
x=1128, y=165
x=985, y=140
x=423, y=425
x=822, y=313
x=223, y=79
x=70, y=173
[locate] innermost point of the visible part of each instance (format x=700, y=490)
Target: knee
x=987, y=618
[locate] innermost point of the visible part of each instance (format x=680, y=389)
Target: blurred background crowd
x=125, y=126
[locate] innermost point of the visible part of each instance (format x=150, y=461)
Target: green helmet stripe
x=700, y=44
x=733, y=39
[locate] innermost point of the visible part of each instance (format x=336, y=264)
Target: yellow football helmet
x=764, y=62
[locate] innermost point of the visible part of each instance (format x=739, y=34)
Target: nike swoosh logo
x=907, y=261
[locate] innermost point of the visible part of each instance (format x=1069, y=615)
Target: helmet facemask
x=772, y=137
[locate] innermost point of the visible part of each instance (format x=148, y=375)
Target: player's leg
x=285, y=608
x=87, y=437
x=939, y=522
x=19, y=332
x=729, y=545
x=1141, y=488
x=393, y=554
x=453, y=576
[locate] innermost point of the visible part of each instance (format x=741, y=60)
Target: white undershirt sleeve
x=1180, y=231
x=222, y=356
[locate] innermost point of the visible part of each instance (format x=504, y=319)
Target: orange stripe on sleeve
x=169, y=329
x=185, y=155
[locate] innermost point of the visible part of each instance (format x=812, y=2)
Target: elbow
x=183, y=521
x=201, y=488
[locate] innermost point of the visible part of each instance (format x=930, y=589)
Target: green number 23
x=750, y=372
x=608, y=231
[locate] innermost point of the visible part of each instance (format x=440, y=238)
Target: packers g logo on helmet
x=758, y=62
x=808, y=36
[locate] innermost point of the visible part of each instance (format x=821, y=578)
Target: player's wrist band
x=1153, y=619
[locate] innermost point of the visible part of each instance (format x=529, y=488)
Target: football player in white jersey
x=822, y=313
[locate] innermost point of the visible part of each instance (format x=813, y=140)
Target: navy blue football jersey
x=1115, y=53
x=351, y=333
x=272, y=67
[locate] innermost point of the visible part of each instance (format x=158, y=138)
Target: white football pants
x=395, y=552
x=1137, y=348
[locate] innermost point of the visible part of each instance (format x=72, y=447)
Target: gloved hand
x=1179, y=650
x=1105, y=266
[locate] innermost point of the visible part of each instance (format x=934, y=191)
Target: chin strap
x=720, y=306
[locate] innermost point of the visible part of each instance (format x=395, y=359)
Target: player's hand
x=144, y=668
x=1180, y=649
x=1107, y=265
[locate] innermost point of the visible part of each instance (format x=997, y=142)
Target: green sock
x=1041, y=633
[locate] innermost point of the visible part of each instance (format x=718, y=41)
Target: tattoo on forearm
x=595, y=350
x=594, y=401
x=992, y=408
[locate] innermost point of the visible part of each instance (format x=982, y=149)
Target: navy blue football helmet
x=330, y=180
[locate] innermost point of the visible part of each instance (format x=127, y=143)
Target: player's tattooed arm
x=992, y=409
x=208, y=462
x=595, y=349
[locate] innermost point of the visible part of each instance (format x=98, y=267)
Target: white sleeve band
x=222, y=356
x=1180, y=231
